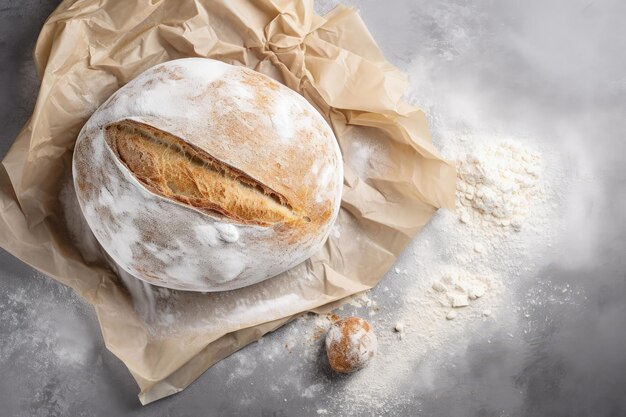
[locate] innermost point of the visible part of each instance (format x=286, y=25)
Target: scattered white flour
x=458, y=267
x=448, y=286
x=55, y=333
x=459, y=288
x=78, y=229
x=365, y=155
x=497, y=184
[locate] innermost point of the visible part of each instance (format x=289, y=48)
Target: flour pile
x=496, y=185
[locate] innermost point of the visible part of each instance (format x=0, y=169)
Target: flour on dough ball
x=350, y=344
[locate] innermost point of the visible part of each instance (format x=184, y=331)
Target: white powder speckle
x=497, y=184
x=439, y=286
x=44, y=328
x=283, y=118
x=458, y=300
x=313, y=390
x=207, y=234
x=228, y=232
x=365, y=154
x=336, y=231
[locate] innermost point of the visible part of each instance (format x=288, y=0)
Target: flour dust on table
x=453, y=282
x=497, y=184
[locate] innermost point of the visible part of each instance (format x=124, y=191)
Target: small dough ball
x=350, y=344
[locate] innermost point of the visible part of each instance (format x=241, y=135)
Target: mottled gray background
x=552, y=69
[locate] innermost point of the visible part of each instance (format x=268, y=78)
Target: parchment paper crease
x=87, y=49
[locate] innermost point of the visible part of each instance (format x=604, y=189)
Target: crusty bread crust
x=198, y=175
x=175, y=169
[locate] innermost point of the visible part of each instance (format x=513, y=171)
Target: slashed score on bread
x=198, y=175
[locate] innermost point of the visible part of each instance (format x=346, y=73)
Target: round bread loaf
x=199, y=175
x=350, y=344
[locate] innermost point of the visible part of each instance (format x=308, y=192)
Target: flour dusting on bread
x=211, y=177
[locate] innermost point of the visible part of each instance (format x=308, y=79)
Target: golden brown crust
x=175, y=169
x=250, y=133
x=341, y=354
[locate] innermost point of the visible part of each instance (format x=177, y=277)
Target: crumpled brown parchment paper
x=87, y=49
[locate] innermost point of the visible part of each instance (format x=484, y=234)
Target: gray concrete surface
x=554, y=70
